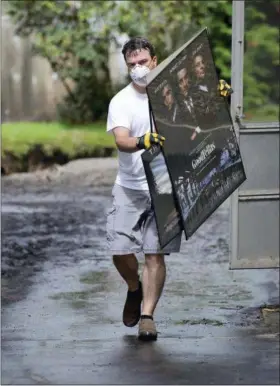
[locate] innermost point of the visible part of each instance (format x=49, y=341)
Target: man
x=199, y=70
x=202, y=83
x=170, y=104
x=202, y=90
x=209, y=106
x=131, y=226
x=187, y=103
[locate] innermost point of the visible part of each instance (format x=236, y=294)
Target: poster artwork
x=201, y=149
x=167, y=216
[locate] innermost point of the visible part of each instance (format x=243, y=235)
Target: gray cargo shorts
x=131, y=225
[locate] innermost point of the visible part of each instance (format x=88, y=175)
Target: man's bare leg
x=153, y=281
x=127, y=266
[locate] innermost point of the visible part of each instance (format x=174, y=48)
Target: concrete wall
x=29, y=88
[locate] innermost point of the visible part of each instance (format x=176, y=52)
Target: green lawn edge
x=19, y=138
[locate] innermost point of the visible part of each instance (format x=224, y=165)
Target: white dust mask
x=139, y=75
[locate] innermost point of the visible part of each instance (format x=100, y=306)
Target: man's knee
x=154, y=259
x=120, y=258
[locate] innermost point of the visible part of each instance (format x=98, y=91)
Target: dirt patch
x=99, y=172
x=271, y=315
x=38, y=159
x=208, y=322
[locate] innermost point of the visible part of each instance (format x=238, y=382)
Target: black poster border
x=147, y=158
x=176, y=202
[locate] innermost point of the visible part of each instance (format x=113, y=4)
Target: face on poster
x=201, y=149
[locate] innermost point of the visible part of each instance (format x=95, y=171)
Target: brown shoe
x=132, y=307
x=147, y=329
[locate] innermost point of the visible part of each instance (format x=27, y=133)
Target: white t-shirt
x=130, y=109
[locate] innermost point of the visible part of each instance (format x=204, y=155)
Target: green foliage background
x=75, y=37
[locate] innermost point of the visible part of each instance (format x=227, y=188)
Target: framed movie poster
x=201, y=149
x=167, y=216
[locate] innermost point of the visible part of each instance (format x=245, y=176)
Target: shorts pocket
x=111, y=211
x=110, y=227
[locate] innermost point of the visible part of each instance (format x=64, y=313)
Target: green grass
x=20, y=137
x=266, y=113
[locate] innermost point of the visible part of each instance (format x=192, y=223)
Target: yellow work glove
x=224, y=88
x=149, y=139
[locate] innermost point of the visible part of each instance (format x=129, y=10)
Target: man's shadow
x=148, y=363
x=160, y=363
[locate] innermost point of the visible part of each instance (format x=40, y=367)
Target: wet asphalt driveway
x=62, y=301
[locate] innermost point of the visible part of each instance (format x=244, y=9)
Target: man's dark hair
x=137, y=43
x=182, y=66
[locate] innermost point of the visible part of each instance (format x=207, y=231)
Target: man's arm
x=123, y=141
x=129, y=144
